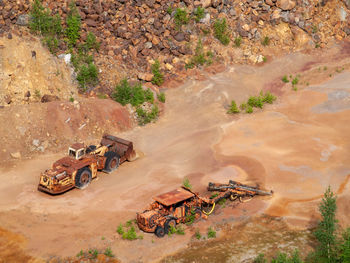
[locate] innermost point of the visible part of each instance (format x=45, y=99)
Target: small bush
x=124, y=93
x=149, y=95
x=285, y=79
x=211, y=233
x=295, y=81
x=256, y=102
x=170, y=10
x=186, y=183
x=91, y=42
x=200, y=58
x=87, y=75
x=120, y=229
x=52, y=43
x=249, y=109
x=190, y=217
x=268, y=97
x=130, y=234
x=73, y=22
x=238, y=41
x=264, y=59
x=93, y=253
x=220, y=31
x=80, y=254
x=108, y=252
x=214, y=195
x=265, y=41
x=180, y=230
x=260, y=259
x=233, y=108
x=243, y=106
x=161, y=97
x=198, y=234
x=181, y=17
x=147, y=117
x=158, y=78
x=198, y=13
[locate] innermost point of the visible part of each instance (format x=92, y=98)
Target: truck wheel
x=83, y=178
x=159, y=231
x=112, y=161
x=168, y=224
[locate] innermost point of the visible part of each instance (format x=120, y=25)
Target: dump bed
x=173, y=197
x=123, y=148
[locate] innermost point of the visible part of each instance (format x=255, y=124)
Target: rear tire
x=83, y=178
x=159, y=231
x=112, y=162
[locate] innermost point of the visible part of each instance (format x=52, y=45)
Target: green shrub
x=345, y=246
x=87, y=75
x=214, y=195
x=260, y=259
x=285, y=79
x=186, y=183
x=149, y=95
x=199, y=57
x=249, y=109
x=220, y=31
x=295, y=81
x=181, y=17
x=198, y=234
x=264, y=59
x=130, y=234
x=233, y=108
x=52, y=43
x=198, y=13
x=108, y=252
x=73, y=22
x=180, y=230
x=120, y=229
x=256, y=102
x=211, y=233
x=238, y=41
x=161, y=97
x=158, y=78
x=265, y=41
x=243, y=106
x=93, y=253
x=144, y=117
x=91, y=42
x=268, y=97
x=80, y=254
x=170, y=10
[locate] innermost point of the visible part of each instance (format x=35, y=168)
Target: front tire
x=168, y=224
x=160, y=232
x=112, y=162
x=83, y=178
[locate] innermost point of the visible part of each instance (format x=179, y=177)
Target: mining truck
x=82, y=164
x=177, y=206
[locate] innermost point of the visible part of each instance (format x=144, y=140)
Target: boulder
x=285, y=4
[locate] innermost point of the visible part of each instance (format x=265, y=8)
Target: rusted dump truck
x=174, y=207
x=82, y=163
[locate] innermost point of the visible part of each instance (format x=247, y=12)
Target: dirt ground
x=296, y=147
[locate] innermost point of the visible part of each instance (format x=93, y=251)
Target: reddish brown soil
x=296, y=147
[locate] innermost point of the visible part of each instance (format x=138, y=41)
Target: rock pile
x=136, y=32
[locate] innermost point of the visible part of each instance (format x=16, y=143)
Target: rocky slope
x=135, y=33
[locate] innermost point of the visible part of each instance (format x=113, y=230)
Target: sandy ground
x=296, y=147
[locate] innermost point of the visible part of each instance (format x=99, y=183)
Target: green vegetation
x=37, y=94
x=255, y=101
x=198, y=234
x=285, y=79
x=198, y=13
x=181, y=17
x=158, y=77
x=108, y=252
x=93, y=253
x=91, y=42
x=186, y=183
x=211, y=233
x=73, y=22
x=179, y=230
x=238, y=41
x=170, y=10
x=295, y=81
x=102, y=96
x=264, y=59
x=214, y=195
x=161, y=97
x=233, y=108
x=145, y=117
x=200, y=57
x=87, y=75
x=130, y=232
x=190, y=217
x=220, y=31
x=265, y=41
x=205, y=31
x=314, y=29
x=249, y=109
x=47, y=25
x=333, y=246
x=222, y=201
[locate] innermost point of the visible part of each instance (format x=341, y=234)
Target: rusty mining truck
x=82, y=164
x=174, y=207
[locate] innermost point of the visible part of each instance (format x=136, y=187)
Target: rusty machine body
x=82, y=164
x=172, y=208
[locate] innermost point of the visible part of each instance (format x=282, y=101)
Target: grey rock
x=23, y=20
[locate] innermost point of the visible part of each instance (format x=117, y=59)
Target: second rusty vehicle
x=181, y=205
x=82, y=163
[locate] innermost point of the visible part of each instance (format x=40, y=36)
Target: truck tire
x=83, y=178
x=112, y=161
x=159, y=231
x=171, y=222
